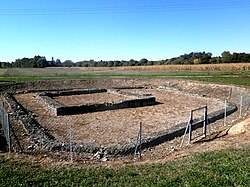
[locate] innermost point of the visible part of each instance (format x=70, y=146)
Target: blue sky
x=122, y=30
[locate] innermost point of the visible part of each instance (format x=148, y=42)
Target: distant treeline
x=192, y=58
x=37, y=62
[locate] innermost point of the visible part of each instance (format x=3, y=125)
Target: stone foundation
x=41, y=136
x=57, y=109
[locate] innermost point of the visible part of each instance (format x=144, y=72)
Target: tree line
x=191, y=58
x=37, y=62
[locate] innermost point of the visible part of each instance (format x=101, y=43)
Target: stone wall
x=41, y=136
x=58, y=109
x=37, y=133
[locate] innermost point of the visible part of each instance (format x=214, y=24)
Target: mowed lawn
x=229, y=167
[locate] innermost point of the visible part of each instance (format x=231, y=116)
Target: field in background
x=197, y=67
x=238, y=74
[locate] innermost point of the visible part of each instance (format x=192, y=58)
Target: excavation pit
x=118, y=127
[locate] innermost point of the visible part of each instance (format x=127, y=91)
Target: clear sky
x=122, y=29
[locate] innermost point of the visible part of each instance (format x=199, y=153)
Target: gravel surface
x=118, y=126
x=95, y=98
x=122, y=125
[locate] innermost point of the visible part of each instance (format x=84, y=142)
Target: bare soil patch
x=122, y=125
x=117, y=126
x=84, y=99
x=216, y=140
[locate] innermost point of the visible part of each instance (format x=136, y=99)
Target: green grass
x=243, y=81
x=221, y=168
x=29, y=74
x=236, y=80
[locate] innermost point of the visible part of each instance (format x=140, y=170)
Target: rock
x=239, y=128
x=31, y=147
x=104, y=159
x=97, y=155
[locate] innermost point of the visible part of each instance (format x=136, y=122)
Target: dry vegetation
x=199, y=67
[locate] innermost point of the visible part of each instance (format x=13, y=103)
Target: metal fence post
x=5, y=125
x=225, y=113
x=138, y=141
x=8, y=131
x=230, y=93
x=205, y=122
x=70, y=142
x=241, y=105
x=190, y=127
x=182, y=141
x=191, y=122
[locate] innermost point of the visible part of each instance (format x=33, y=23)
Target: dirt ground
x=235, y=136
x=219, y=136
x=118, y=126
x=239, y=137
x=84, y=99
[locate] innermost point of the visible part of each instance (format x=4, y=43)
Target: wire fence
x=244, y=104
x=200, y=115
x=74, y=134
x=241, y=98
x=4, y=118
x=104, y=152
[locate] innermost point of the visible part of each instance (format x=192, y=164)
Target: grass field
x=229, y=167
x=238, y=74
x=221, y=168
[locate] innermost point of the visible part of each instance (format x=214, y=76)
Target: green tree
x=226, y=57
x=42, y=63
x=132, y=62
x=143, y=62
x=58, y=63
x=5, y=65
x=68, y=63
